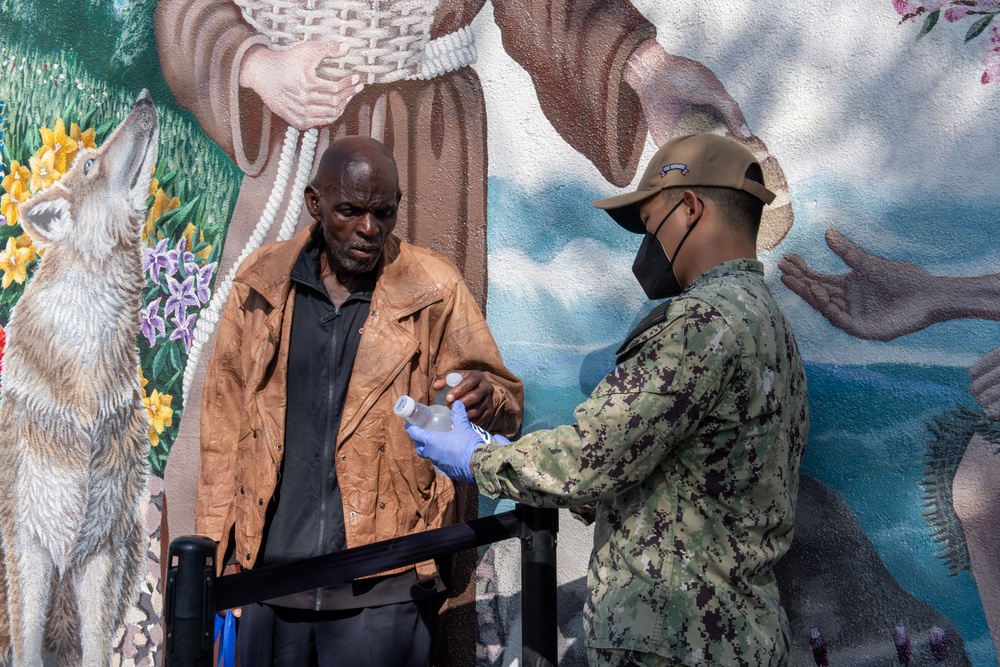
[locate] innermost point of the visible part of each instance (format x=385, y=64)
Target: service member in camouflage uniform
x=691, y=445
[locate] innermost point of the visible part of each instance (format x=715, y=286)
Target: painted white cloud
x=583, y=272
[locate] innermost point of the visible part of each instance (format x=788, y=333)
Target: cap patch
x=670, y=167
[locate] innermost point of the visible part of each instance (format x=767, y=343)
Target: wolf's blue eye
x=87, y=165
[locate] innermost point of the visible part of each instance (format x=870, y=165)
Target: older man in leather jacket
x=301, y=452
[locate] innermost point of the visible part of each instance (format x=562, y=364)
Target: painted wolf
x=73, y=429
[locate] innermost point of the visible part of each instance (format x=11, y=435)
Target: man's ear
x=311, y=195
x=693, y=206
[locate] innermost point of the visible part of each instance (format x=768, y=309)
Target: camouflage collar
x=659, y=313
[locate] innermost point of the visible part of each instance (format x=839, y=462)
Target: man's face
x=653, y=210
x=356, y=210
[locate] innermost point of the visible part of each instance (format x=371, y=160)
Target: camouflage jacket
x=691, y=449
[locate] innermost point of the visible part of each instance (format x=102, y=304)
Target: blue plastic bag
x=225, y=637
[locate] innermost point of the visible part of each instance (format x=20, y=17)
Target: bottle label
x=482, y=433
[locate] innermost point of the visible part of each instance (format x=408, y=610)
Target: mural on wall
x=273, y=85
x=507, y=119
x=98, y=396
x=73, y=427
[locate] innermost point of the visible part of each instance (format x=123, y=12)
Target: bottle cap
x=404, y=407
x=452, y=379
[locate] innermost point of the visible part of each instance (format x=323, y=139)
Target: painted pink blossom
x=953, y=14
x=980, y=15
x=992, y=57
x=907, y=8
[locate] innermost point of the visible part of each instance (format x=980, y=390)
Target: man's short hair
x=738, y=208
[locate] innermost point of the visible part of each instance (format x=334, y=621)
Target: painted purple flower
x=185, y=330
x=939, y=644
x=204, y=279
x=181, y=296
x=818, y=645
x=151, y=321
x=155, y=259
x=901, y=638
x=180, y=256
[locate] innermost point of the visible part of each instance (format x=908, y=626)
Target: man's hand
x=451, y=451
x=288, y=83
x=669, y=85
x=879, y=299
x=475, y=392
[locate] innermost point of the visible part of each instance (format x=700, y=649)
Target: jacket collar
x=402, y=286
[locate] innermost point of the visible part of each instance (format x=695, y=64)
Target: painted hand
x=290, y=85
x=451, y=451
x=669, y=85
x=879, y=299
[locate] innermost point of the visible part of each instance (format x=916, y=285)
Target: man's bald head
x=355, y=159
x=354, y=198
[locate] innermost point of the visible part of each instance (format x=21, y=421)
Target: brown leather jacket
x=423, y=321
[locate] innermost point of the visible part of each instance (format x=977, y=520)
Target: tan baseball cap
x=696, y=159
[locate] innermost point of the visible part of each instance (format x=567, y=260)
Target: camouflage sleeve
x=651, y=401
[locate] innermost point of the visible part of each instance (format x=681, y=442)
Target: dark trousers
x=394, y=635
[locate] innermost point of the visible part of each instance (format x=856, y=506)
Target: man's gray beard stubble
x=342, y=259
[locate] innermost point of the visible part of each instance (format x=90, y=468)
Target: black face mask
x=651, y=260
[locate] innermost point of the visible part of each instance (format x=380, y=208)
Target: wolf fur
x=73, y=429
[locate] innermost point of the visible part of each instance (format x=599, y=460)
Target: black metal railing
x=194, y=594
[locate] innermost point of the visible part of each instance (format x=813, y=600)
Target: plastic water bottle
x=430, y=417
x=451, y=381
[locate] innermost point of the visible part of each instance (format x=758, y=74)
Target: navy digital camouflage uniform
x=691, y=449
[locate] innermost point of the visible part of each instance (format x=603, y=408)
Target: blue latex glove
x=451, y=451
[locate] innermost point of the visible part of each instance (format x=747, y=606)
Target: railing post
x=189, y=603
x=538, y=587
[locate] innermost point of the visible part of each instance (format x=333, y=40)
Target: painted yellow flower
x=25, y=241
x=18, y=175
x=10, y=200
x=161, y=204
x=143, y=381
x=14, y=262
x=63, y=148
x=83, y=139
x=189, y=231
x=43, y=169
x=160, y=414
